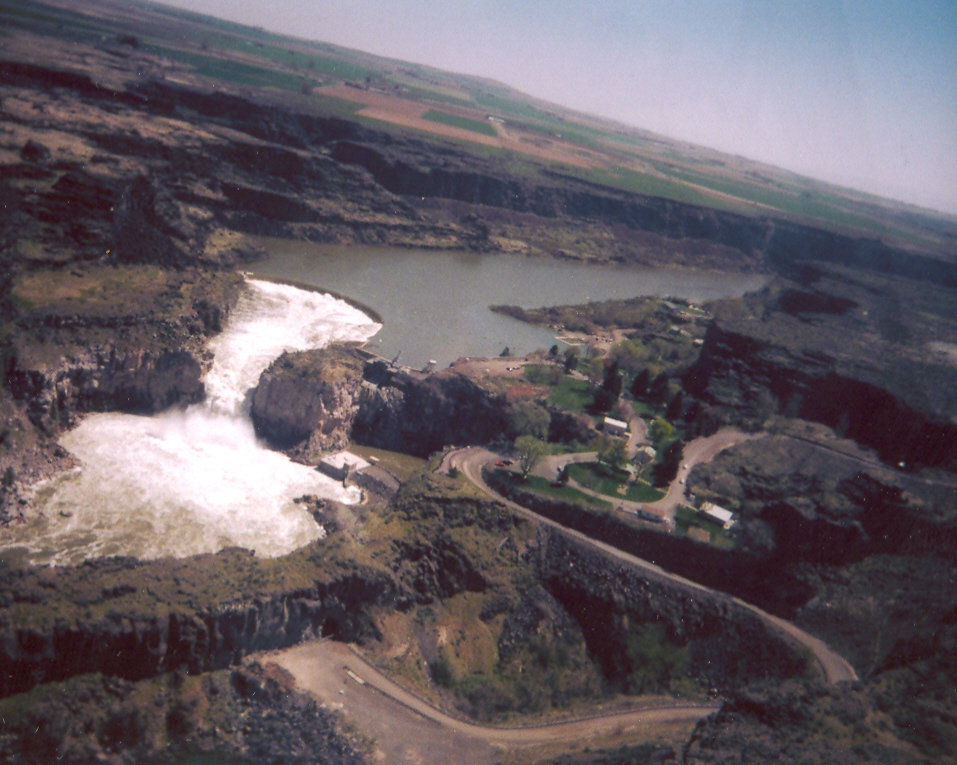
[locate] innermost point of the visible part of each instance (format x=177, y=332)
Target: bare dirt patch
x=407, y=113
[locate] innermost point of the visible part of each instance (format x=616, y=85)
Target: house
x=718, y=514
x=615, y=427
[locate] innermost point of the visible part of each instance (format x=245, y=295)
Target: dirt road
x=698, y=450
x=407, y=729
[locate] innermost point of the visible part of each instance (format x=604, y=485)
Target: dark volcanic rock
x=311, y=402
x=419, y=414
x=739, y=368
x=610, y=600
x=305, y=402
x=249, y=714
x=133, y=634
x=141, y=382
x=850, y=352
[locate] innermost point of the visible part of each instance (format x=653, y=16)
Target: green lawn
x=572, y=394
x=538, y=485
x=454, y=120
x=603, y=479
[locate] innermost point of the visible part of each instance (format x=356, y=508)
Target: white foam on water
x=186, y=482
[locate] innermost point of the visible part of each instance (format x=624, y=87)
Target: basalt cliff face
x=129, y=632
x=611, y=600
x=736, y=367
x=307, y=403
x=96, y=338
x=420, y=414
x=135, y=168
x=850, y=356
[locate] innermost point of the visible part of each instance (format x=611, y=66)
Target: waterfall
x=186, y=482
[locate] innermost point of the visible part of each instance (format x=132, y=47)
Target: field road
x=834, y=667
x=407, y=729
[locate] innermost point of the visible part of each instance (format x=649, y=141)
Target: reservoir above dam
x=435, y=304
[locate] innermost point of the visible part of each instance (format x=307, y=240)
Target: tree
x=603, y=401
x=571, y=358
x=529, y=451
x=675, y=406
x=667, y=469
x=658, y=389
x=526, y=418
x=612, y=379
x=607, y=395
x=660, y=431
x=639, y=386
x=613, y=452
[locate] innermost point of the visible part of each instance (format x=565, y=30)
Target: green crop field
x=454, y=120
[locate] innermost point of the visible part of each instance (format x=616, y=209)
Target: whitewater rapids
x=192, y=481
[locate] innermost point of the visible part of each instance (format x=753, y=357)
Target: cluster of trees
x=530, y=421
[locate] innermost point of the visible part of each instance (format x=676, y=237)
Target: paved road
x=834, y=667
x=409, y=729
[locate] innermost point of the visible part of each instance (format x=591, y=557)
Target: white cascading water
x=187, y=482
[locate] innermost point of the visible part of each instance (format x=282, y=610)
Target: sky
x=862, y=93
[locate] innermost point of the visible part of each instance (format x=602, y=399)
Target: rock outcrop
x=97, y=379
x=741, y=369
x=135, y=635
x=844, y=350
x=614, y=601
x=419, y=414
x=316, y=401
x=305, y=402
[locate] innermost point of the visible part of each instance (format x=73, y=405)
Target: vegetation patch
x=550, y=489
x=612, y=482
x=572, y=394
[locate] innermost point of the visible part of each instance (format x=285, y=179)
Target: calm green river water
x=435, y=304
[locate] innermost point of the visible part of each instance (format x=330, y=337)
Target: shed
x=615, y=427
x=718, y=514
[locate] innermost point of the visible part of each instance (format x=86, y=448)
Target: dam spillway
x=197, y=480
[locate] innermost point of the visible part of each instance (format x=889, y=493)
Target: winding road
x=408, y=729
x=834, y=667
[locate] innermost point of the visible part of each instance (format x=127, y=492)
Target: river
x=435, y=305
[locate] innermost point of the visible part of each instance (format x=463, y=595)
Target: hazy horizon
x=861, y=94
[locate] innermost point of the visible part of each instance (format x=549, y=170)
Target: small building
x=718, y=514
x=340, y=465
x=644, y=455
x=376, y=480
x=615, y=427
